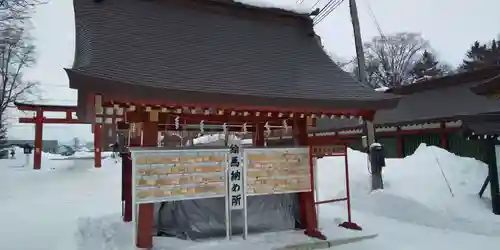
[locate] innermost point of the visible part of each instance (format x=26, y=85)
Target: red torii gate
x=39, y=119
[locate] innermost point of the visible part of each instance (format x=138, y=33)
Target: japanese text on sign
x=236, y=175
x=277, y=170
x=169, y=175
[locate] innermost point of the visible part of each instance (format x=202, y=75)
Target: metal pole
x=245, y=207
x=485, y=184
x=228, y=196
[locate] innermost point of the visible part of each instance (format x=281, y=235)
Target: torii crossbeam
x=39, y=119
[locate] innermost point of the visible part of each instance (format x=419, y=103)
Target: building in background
x=48, y=146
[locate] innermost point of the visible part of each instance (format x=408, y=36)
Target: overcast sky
x=451, y=26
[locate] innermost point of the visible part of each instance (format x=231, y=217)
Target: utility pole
x=369, y=129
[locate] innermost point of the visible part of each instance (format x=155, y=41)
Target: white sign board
x=235, y=177
x=171, y=175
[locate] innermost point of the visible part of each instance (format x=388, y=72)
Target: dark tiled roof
x=489, y=86
x=438, y=103
x=447, y=81
x=483, y=123
x=168, y=45
x=327, y=124
x=442, y=101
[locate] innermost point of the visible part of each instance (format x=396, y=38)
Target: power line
x=316, y=3
x=329, y=7
x=333, y=5
x=322, y=10
x=374, y=19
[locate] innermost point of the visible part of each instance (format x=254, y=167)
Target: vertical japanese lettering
x=235, y=178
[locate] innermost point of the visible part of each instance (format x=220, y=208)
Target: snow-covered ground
x=430, y=202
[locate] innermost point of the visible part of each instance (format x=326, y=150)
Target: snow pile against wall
x=430, y=168
x=430, y=180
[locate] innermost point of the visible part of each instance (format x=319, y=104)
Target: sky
x=450, y=26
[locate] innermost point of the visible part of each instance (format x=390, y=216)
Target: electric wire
x=374, y=19
x=322, y=10
x=316, y=3
x=329, y=8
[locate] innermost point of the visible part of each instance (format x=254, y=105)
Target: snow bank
x=79, y=155
x=82, y=206
x=105, y=232
x=288, y=5
x=431, y=175
x=432, y=187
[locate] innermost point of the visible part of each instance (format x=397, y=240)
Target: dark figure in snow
x=115, y=148
x=12, y=154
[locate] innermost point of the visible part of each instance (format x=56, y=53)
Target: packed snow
x=211, y=138
x=429, y=202
x=288, y=5
x=382, y=89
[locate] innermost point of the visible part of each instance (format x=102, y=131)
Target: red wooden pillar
x=97, y=145
x=399, y=143
x=306, y=199
x=127, y=187
x=145, y=220
x=258, y=135
x=444, y=136
x=37, y=161
x=135, y=141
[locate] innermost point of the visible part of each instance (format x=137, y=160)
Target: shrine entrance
x=39, y=119
x=149, y=171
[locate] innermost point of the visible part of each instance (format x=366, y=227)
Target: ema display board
x=277, y=170
x=170, y=175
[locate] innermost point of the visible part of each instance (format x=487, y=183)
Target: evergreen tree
x=427, y=66
x=481, y=56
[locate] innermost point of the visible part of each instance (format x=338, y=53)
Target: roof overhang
x=131, y=92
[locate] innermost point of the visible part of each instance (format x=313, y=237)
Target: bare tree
x=16, y=10
x=16, y=54
x=390, y=59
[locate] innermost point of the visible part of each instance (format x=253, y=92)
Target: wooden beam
x=142, y=116
x=43, y=107
x=124, y=101
x=52, y=120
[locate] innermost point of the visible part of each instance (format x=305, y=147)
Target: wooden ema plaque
x=168, y=175
x=320, y=151
x=275, y=171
